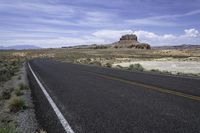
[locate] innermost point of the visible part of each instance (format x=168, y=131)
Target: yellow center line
x=181, y=94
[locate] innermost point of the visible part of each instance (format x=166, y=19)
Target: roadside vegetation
x=136, y=67
x=16, y=104
x=18, y=92
x=23, y=86
x=8, y=129
x=8, y=68
x=15, y=96
x=6, y=93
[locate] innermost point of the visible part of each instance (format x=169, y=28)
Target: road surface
x=101, y=100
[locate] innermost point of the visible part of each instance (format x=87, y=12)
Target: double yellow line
x=163, y=90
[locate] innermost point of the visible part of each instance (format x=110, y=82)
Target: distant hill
x=126, y=41
x=130, y=41
x=19, y=47
x=183, y=46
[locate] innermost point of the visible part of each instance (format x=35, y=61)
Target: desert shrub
x=4, y=75
x=136, y=67
x=99, y=47
x=179, y=73
x=187, y=74
x=166, y=72
x=88, y=59
x=97, y=63
x=18, y=92
x=155, y=70
x=118, y=66
x=16, y=104
x=161, y=72
x=108, y=65
x=23, y=86
x=8, y=130
x=19, y=77
x=8, y=69
x=5, y=94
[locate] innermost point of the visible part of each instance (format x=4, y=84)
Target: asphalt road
x=101, y=100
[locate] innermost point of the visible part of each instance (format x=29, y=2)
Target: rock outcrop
x=130, y=41
x=129, y=38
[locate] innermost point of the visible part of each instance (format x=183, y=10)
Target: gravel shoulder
x=24, y=121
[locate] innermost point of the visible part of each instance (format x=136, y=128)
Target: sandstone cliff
x=130, y=41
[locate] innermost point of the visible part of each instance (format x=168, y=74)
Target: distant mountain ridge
x=183, y=46
x=19, y=47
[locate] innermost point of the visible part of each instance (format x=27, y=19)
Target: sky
x=57, y=23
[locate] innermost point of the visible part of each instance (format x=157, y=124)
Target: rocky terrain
x=130, y=41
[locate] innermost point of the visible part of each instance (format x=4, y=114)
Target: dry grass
x=8, y=130
x=6, y=93
x=16, y=104
x=18, y=92
x=9, y=66
x=23, y=86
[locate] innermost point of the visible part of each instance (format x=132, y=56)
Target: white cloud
x=151, y=22
x=191, y=33
x=111, y=34
x=164, y=20
x=98, y=16
x=54, y=41
x=27, y=7
x=146, y=35
x=191, y=36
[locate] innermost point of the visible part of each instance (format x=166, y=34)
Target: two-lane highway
x=101, y=100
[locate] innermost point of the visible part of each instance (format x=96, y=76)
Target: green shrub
x=4, y=75
x=97, y=63
x=136, y=67
x=119, y=67
x=16, y=104
x=19, y=77
x=108, y=65
x=8, y=69
x=18, y=92
x=166, y=72
x=6, y=94
x=23, y=86
x=8, y=130
x=155, y=70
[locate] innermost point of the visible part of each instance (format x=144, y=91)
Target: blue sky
x=56, y=23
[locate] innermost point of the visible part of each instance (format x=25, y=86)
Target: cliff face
x=130, y=41
x=131, y=37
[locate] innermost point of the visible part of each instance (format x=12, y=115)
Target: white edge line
x=60, y=116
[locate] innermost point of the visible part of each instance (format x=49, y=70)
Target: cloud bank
x=110, y=36
x=56, y=23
